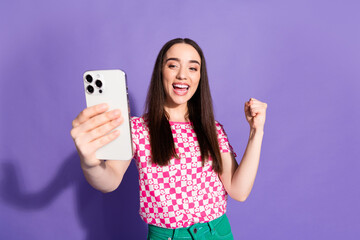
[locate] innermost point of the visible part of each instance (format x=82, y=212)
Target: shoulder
x=218, y=125
x=138, y=123
x=135, y=120
x=220, y=129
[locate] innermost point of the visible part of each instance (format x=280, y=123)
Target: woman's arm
x=107, y=176
x=89, y=133
x=238, y=180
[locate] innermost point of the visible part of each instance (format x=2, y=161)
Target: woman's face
x=181, y=74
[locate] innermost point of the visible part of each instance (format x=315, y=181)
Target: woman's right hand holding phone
x=90, y=132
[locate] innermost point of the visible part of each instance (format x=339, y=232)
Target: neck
x=178, y=113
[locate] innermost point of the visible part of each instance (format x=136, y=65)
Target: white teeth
x=180, y=86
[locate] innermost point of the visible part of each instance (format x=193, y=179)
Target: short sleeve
x=224, y=143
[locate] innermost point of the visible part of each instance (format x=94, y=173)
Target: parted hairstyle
x=200, y=114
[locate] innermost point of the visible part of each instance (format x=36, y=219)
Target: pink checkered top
x=182, y=193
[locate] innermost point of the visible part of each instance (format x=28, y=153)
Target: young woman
x=186, y=165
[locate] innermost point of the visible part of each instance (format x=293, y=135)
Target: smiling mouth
x=181, y=86
x=181, y=89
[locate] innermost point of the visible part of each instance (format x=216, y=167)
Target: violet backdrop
x=300, y=57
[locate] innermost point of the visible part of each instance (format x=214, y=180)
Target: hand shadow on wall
x=104, y=216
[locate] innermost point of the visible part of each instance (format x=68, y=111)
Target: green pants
x=217, y=229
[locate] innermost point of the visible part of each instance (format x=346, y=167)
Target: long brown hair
x=200, y=110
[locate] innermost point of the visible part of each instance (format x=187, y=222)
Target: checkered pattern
x=182, y=193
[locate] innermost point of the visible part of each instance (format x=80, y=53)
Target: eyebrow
x=178, y=60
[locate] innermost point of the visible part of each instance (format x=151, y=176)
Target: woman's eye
x=193, y=69
x=172, y=66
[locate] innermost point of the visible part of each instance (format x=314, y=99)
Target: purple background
x=300, y=57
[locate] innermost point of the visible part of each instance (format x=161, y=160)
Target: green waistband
x=195, y=228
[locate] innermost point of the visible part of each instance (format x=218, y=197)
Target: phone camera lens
x=90, y=89
x=98, y=83
x=89, y=78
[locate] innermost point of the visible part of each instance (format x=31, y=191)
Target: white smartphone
x=109, y=86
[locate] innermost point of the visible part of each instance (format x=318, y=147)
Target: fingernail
x=116, y=132
x=118, y=120
x=116, y=112
x=102, y=106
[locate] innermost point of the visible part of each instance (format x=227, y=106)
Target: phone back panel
x=113, y=91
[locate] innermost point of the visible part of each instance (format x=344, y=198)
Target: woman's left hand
x=255, y=113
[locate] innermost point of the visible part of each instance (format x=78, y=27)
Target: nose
x=181, y=75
